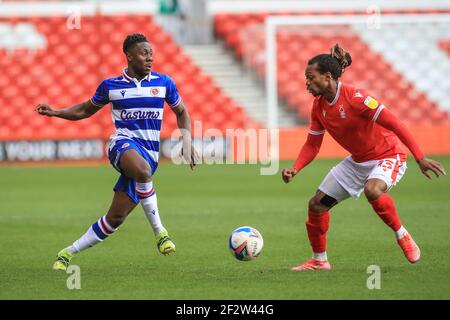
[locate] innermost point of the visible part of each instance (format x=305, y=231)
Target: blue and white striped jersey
x=137, y=107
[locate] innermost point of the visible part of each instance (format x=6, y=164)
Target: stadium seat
x=381, y=79
x=73, y=63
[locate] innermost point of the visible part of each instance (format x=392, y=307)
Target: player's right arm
x=309, y=150
x=77, y=112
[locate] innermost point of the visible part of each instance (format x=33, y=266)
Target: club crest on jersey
x=122, y=93
x=371, y=103
x=341, y=111
x=155, y=92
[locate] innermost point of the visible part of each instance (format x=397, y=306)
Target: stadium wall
x=290, y=142
x=433, y=140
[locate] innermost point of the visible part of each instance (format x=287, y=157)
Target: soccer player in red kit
x=372, y=135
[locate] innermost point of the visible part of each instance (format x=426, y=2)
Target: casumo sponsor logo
x=138, y=115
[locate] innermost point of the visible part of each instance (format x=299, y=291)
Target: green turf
x=45, y=209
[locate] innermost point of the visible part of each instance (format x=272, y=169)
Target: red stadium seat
x=294, y=50
x=74, y=62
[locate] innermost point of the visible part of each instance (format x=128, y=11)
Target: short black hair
x=334, y=63
x=132, y=39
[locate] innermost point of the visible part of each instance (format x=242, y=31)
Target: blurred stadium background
x=59, y=51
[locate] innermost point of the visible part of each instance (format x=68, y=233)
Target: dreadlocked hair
x=343, y=57
x=334, y=63
x=132, y=39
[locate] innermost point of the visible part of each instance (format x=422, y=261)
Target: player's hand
x=45, y=110
x=288, y=174
x=193, y=159
x=428, y=164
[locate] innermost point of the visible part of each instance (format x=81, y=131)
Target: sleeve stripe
x=375, y=116
x=96, y=104
x=176, y=103
x=316, y=133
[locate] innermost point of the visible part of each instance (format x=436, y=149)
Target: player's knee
x=315, y=206
x=372, y=191
x=143, y=174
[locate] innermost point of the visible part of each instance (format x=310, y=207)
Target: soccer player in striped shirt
x=372, y=135
x=137, y=98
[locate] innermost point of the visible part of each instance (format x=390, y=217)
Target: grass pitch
x=44, y=209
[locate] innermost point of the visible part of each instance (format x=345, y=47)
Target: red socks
x=317, y=224
x=384, y=206
x=317, y=227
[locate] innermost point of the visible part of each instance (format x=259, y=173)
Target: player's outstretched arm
x=426, y=164
x=76, y=112
x=389, y=121
x=307, y=154
x=184, y=124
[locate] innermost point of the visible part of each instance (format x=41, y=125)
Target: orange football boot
x=312, y=265
x=410, y=248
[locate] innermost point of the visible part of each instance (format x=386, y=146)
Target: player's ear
x=129, y=57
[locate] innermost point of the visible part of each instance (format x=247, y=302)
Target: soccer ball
x=245, y=243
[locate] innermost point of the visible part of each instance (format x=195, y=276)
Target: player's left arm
x=389, y=121
x=372, y=110
x=184, y=124
x=175, y=103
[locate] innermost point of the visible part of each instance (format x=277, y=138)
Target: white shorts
x=348, y=178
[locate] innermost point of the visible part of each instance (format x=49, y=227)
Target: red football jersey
x=351, y=120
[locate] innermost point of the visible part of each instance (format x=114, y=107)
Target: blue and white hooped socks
x=98, y=232
x=149, y=202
